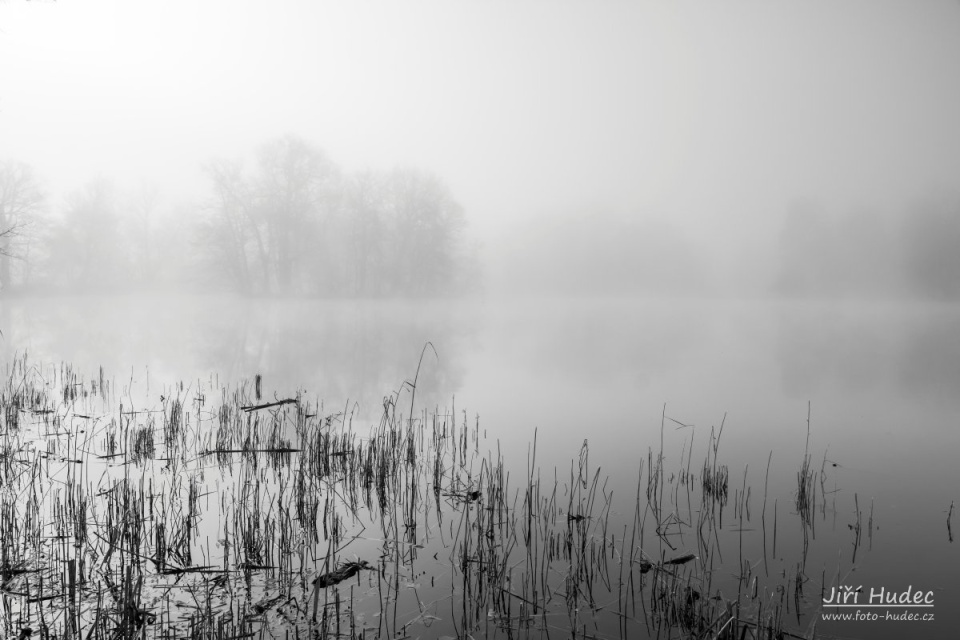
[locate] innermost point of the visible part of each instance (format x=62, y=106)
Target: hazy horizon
x=388, y=266
x=714, y=118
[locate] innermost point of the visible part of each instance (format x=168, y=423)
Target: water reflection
x=930, y=362
x=362, y=350
x=597, y=341
x=338, y=350
x=910, y=353
x=880, y=378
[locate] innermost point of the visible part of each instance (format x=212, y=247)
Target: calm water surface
x=880, y=380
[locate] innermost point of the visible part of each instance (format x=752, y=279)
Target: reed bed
x=216, y=512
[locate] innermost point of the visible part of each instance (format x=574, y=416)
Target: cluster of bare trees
x=96, y=239
x=293, y=224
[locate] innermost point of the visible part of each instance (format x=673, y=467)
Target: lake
x=878, y=380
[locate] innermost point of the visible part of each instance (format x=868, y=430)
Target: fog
x=712, y=138
x=630, y=224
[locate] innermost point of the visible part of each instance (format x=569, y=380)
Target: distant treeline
x=914, y=252
x=292, y=224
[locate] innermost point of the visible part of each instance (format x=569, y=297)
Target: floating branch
x=344, y=572
x=273, y=450
x=681, y=559
x=269, y=404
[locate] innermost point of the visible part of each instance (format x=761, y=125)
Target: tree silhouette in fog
x=21, y=201
x=87, y=249
x=292, y=223
x=295, y=191
x=297, y=225
x=265, y=228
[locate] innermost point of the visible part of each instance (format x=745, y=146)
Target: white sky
x=716, y=113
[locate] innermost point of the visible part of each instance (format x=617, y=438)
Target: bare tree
x=296, y=225
x=365, y=209
x=297, y=185
x=87, y=247
x=426, y=228
x=21, y=200
x=142, y=206
x=265, y=230
x=231, y=235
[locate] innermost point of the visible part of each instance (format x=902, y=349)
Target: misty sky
x=716, y=113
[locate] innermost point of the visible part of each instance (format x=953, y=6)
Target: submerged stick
x=680, y=559
x=278, y=403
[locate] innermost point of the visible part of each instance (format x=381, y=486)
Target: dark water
x=880, y=381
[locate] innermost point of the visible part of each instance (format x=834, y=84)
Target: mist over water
x=629, y=225
x=880, y=375
x=624, y=374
